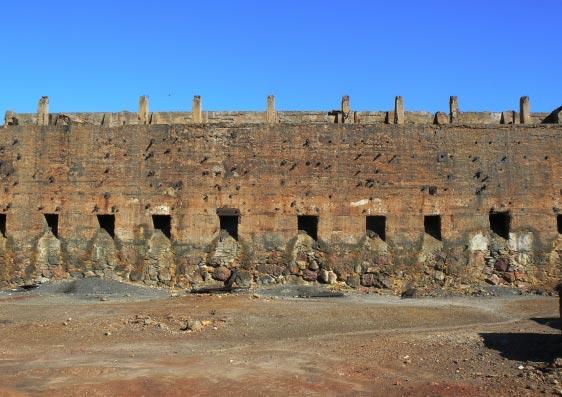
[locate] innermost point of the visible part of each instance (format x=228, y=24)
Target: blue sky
x=101, y=55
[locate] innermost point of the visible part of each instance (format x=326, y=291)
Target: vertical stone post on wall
x=524, y=110
x=143, y=109
x=398, y=110
x=197, y=114
x=453, y=109
x=346, y=110
x=43, y=111
x=271, y=115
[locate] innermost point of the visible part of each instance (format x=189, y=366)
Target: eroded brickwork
x=493, y=191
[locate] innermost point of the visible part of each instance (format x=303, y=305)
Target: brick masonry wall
x=271, y=174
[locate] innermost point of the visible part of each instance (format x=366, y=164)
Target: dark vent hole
x=163, y=223
x=107, y=223
x=53, y=223
x=376, y=226
x=229, y=223
x=432, y=226
x=308, y=224
x=500, y=223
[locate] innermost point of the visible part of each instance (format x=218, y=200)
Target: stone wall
x=269, y=174
x=294, y=117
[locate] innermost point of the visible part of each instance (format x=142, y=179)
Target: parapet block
x=271, y=115
x=197, y=112
x=143, y=110
x=525, y=110
x=43, y=111
x=399, y=117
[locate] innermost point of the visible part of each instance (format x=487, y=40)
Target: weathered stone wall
x=271, y=173
x=295, y=117
x=343, y=115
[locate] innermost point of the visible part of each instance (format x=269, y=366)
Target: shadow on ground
x=552, y=322
x=525, y=346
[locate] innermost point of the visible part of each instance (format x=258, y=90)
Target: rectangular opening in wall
x=308, y=224
x=229, y=224
x=376, y=226
x=107, y=223
x=163, y=223
x=3, y=225
x=432, y=226
x=53, y=223
x=500, y=223
x=229, y=218
x=558, y=223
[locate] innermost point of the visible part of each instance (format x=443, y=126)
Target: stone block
x=271, y=115
x=440, y=119
x=525, y=110
x=399, y=117
x=43, y=111
x=453, y=109
x=197, y=111
x=143, y=110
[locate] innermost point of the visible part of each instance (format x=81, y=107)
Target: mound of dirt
x=96, y=287
x=301, y=291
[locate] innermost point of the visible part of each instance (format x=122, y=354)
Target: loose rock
x=192, y=325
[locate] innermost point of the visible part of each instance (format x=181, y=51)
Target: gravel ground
x=102, y=338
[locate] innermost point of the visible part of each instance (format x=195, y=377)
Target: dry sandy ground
x=254, y=344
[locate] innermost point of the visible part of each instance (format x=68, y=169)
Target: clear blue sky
x=101, y=55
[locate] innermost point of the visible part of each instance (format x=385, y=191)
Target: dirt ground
x=265, y=342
